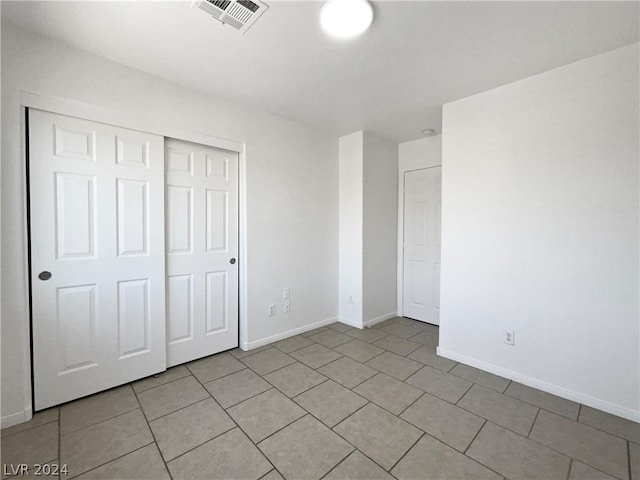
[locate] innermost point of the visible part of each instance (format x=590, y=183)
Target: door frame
x=94, y=113
x=401, y=183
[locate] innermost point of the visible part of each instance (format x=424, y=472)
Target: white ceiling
x=393, y=80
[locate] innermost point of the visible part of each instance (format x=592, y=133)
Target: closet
x=133, y=254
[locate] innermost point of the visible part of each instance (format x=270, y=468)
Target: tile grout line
x=474, y=437
x=155, y=440
x=533, y=423
x=570, y=468
x=629, y=460
x=422, y=394
x=95, y=423
x=408, y=450
x=241, y=429
x=26, y=429
x=188, y=374
x=112, y=460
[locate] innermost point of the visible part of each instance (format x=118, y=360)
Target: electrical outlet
x=350, y=299
x=287, y=306
x=509, y=337
x=286, y=293
x=272, y=310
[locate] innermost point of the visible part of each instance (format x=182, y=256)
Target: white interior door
x=202, y=251
x=422, y=210
x=97, y=256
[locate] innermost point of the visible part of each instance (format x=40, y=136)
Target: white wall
x=413, y=155
x=380, y=224
x=292, y=191
x=351, y=155
x=540, y=231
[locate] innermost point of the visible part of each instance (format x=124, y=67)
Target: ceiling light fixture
x=346, y=18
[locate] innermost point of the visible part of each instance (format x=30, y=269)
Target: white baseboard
x=16, y=418
x=605, y=406
x=379, y=319
x=351, y=322
x=289, y=333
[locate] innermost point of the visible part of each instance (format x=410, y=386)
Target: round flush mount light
x=346, y=18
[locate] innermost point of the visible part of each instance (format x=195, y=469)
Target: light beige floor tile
x=347, y=372
x=314, y=331
x=292, y=344
x=143, y=464
x=397, y=345
x=358, y=467
x=330, y=403
x=215, y=366
x=239, y=353
x=428, y=356
x=385, y=323
x=446, y=422
x=610, y=423
x=237, y=387
x=36, y=445
x=395, y=365
x=427, y=327
x=267, y=361
x=388, y=393
x=426, y=338
x=341, y=327
x=580, y=471
x=581, y=442
x=381, y=436
x=159, y=401
x=265, y=414
x=514, y=456
x=161, y=378
x=368, y=335
x=330, y=338
x=634, y=459
x=39, y=418
x=359, y=350
x=229, y=456
x=440, y=384
x=305, y=449
x=433, y=460
x=405, y=321
x=501, y=409
x=185, y=429
x=475, y=375
x=315, y=355
x=98, y=444
x=402, y=331
x=96, y=408
x=272, y=475
x=545, y=400
x=294, y=379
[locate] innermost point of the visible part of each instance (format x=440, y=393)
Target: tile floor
x=334, y=403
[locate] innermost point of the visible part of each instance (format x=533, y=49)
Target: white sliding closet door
x=202, y=251
x=97, y=256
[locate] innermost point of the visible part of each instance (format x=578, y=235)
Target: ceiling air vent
x=240, y=14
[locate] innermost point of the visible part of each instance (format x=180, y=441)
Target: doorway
x=422, y=245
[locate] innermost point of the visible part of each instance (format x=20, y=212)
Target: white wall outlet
x=287, y=306
x=286, y=293
x=509, y=337
x=350, y=299
x=272, y=310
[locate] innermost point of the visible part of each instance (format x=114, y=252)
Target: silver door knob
x=44, y=275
